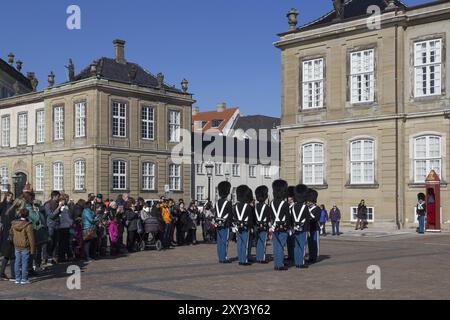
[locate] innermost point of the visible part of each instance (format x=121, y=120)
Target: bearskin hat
x=280, y=189
x=224, y=189
x=300, y=193
x=421, y=196
x=261, y=193
x=244, y=194
x=311, y=195
x=290, y=192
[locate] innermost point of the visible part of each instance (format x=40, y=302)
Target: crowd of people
x=35, y=235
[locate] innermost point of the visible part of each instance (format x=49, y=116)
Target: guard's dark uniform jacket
x=314, y=218
x=262, y=216
x=243, y=216
x=223, y=213
x=300, y=217
x=283, y=221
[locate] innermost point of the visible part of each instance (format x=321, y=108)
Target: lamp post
x=209, y=171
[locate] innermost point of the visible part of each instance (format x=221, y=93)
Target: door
x=20, y=183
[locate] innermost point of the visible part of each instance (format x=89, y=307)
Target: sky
x=223, y=47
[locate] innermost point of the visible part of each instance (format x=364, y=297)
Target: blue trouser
x=21, y=265
x=290, y=247
x=261, y=242
x=299, y=249
x=421, y=224
x=313, y=245
x=243, y=238
x=335, y=227
x=279, y=242
x=222, y=243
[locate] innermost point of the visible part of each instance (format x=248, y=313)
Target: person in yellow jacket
x=168, y=220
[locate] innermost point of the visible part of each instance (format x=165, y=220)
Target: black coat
x=285, y=214
x=227, y=213
x=6, y=246
x=314, y=218
x=247, y=215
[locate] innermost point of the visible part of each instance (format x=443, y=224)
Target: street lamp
x=209, y=172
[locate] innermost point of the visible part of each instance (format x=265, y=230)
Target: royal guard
x=300, y=221
x=222, y=220
x=243, y=222
x=262, y=222
x=290, y=240
x=421, y=211
x=314, y=226
x=281, y=222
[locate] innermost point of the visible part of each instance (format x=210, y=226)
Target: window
x=58, y=123
x=362, y=76
x=80, y=175
x=119, y=175
x=174, y=177
x=199, y=168
x=313, y=84
x=5, y=131
x=216, y=123
x=40, y=126
x=200, y=195
x=119, y=125
x=370, y=214
x=252, y=171
x=218, y=167
x=148, y=123
x=39, y=177
x=266, y=171
x=4, y=178
x=427, y=67
x=80, y=120
x=204, y=123
x=313, y=164
x=148, y=176
x=174, y=126
x=427, y=157
x=362, y=162
x=58, y=176
x=22, y=120
x=236, y=170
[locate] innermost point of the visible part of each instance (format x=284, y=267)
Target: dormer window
x=216, y=123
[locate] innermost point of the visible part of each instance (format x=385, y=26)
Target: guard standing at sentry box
x=300, y=220
x=314, y=226
x=243, y=222
x=222, y=220
x=262, y=222
x=281, y=222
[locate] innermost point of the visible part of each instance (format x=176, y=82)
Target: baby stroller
x=153, y=234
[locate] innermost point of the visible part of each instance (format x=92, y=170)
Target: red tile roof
x=209, y=116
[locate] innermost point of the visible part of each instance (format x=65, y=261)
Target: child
x=23, y=238
x=113, y=230
x=77, y=241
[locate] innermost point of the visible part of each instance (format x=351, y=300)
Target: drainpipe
x=397, y=204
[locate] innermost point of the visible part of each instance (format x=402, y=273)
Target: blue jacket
x=89, y=218
x=323, y=216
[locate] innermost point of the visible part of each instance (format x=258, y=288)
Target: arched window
x=80, y=175
x=313, y=164
x=362, y=161
x=427, y=157
x=4, y=174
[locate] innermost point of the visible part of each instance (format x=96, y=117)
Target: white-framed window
x=22, y=120
x=362, y=162
x=236, y=170
x=313, y=83
x=40, y=126
x=266, y=171
x=175, y=177
x=427, y=156
x=80, y=175
x=39, y=177
x=4, y=174
x=119, y=121
x=148, y=123
x=313, y=164
x=6, y=129
x=362, y=76
x=148, y=176
x=80, y=119
x=119, y=175
x=370, y=214
x=200, y=193
x=200, y=168
x=252, y=171
x=58, y=114
x=218, y=167
x=427, y=67
x=58, y=176
x=174, y=126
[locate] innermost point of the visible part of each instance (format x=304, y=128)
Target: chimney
x=11, y=59
x=119, y=48
x=221, y=107
x=195, y=110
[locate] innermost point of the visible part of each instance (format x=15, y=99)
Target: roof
x=352, y=9
x=209, y=116
x=257, y=122
x=130, y=73
x=5, y=67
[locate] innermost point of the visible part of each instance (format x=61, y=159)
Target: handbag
x=90, y=234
